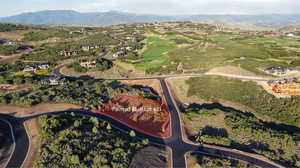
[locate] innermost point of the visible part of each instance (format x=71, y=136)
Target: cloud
x=194, y=6
x=163, y=7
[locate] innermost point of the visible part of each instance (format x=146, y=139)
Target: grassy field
x=248, y=94
x=226, y=50
x=210, y=51
x=155, y=55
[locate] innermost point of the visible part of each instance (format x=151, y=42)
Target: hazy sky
x=163, y=7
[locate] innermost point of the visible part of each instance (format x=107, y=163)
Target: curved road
x=176, y=142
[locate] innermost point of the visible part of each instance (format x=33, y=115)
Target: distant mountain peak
x=118, y=17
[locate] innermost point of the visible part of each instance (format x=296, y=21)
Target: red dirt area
x=145, y=115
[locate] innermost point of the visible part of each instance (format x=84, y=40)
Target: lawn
x=224, y=37
x=156, y=53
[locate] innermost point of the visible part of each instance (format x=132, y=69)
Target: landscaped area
x=156, y=53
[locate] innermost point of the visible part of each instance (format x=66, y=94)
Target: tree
x=132, y=133
x=108, y=127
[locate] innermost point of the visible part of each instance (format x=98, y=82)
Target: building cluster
x=81, y=31
x=280, y=71
x=119, y=54
x=36, y=66
x=290, y=87
x=89, y=64
x=68, y=53
x=89, y=48
x=4, y=42
x=55, y=80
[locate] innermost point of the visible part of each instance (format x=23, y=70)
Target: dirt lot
x=270, y=91
x=5, y=143
x=146, y=115
x=20, y=111
x=152, y=157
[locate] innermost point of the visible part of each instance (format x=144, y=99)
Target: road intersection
x=180, y=148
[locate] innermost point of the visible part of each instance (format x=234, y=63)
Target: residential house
x=280, y=71
x=127, y=48
x=88, y=48
x=81, y=31
x=118, y=54
x=29, y=68
x=11, y=43
x=89, y=64
x=34, y=67
x=68, y=53
x=55, y=80
x=43, y=65
x=290, y=35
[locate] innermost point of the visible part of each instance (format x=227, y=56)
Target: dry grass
x=180, y=88
x=191, y=161
x=15, y=35
x=231, y=70
x=193, y=126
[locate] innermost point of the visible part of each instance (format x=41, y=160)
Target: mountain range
x=115, y=17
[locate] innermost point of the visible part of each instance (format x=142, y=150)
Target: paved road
x=57, y=71
x=175, y=142
x=21, y=142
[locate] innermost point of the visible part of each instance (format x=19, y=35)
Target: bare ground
x=151, y=157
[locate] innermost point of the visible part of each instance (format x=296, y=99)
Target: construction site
x=287, y=87
x=145, y=115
